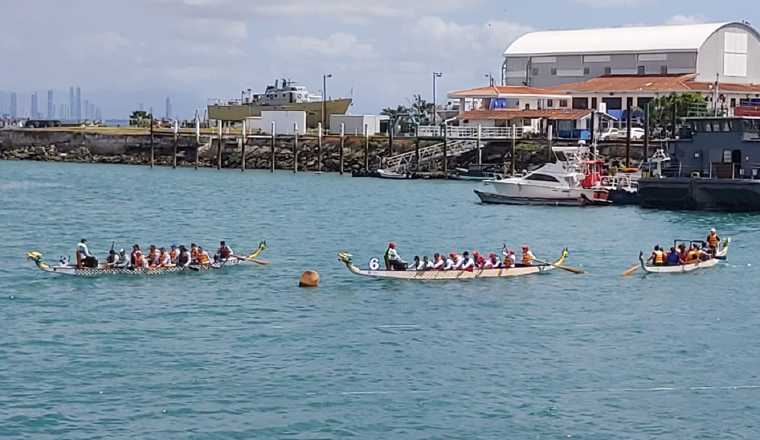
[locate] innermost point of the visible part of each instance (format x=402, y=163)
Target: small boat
x=475, y=173
x=563, y=183
x=387, y=173
x=439, y=275
x=64, y=268
x=721, y=254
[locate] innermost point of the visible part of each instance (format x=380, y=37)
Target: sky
x=380, y=52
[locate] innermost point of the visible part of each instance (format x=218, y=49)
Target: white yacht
x=562, y=183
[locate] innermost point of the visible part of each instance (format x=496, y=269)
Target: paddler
x=713, y=240
x=203, y=257
x=112, y=259
x=450, y=262
x=152, y=256
x=224, y=252
x=184, y=259
x=658, y=256
x=174, y=254
x=194, y=252
x=438, y=262
x=136, y=258
x=509, y=257
x=480, y=260
x=468, y=262
x=527, y=256
x=673, y=258
x=164, y=259
x=492, y=262
x=393, y=260
x=123, y=262
x=84, y=257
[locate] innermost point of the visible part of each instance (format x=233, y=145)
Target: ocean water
x=244, y=353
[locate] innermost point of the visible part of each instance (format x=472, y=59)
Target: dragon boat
x=65, y=268
x=374, y=270
x=720, y=254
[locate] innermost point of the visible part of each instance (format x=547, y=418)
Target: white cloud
x=686, y=19
x=337, y=45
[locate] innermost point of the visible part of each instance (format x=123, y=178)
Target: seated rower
x=510, y=259
x=673, y=258
x=468, y=263
x=174, y=254
x=422, y=264
x=693, y=255
x=459, y=261
x=527, y=256
x=224, y=252
x=164, y=258
x=480, y=260
x=450, y=262
x=393, y=260
x=84, y=257
x=416, y=261
x=438, y=262
x=112, y=259
x=194, y=253
x=137, y=260
x=713, y=241
x=184, y=258
x=658, y=256
x=203, y=258
x=427, y=262
x=492, y=262
x=123, y=262
x=152, y=259
x=683, y=254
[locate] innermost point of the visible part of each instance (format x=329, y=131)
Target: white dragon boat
x=440, y=275
x=720, y=254
x=65, y=268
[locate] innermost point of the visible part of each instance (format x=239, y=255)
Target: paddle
x=566, y=268
x=631, y=270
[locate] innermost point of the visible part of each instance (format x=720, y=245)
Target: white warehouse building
x=723, y=52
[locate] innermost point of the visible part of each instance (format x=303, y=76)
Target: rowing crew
x=682, y=255
x=155, y=258
x=455, y=261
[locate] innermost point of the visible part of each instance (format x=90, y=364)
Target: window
x=534, y=71
x=642, y=70
x=550, y=103
x=608, y=70
x=554, y=71
x=542, y=178
x=594, y=103
x=664, y=70
x=733, y=102
x=586, y=71
x=563, y=103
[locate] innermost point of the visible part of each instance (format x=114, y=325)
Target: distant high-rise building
x=168, y=108
x=78, y=104
x=13, y=107
x=86, y=109
x=51, y=106
x=34, y=110
x=71, y=103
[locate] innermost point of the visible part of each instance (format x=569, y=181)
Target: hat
x=392, y=245
x=84, y=240
x=525, y=246
x=713, y=230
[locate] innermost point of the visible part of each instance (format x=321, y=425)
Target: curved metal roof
x=615, y=40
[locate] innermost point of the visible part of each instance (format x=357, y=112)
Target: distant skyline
x=127, y=54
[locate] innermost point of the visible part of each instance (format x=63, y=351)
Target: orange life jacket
x=713, y=240
x=195, y=255
x=659, y=257
x=203, y=258
x=526, y=258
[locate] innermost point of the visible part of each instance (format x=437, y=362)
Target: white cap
x=713, y=230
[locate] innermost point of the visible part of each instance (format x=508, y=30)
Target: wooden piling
x=152, y=147
x=176, y=144
x=295, y=148
x=366, y=148
x=319, y=147
x=243, y=142
x=274, y=142
x=342, y=141
x=445, y=152
x=513, y=159
x=221, y=145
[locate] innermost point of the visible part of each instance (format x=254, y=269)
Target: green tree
x=140, y=118
x=683, y=104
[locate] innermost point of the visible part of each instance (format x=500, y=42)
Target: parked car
x=611, y=134
x=637, y=134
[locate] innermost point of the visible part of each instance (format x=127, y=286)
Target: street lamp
x=436, y=75
x=324, y=100
x=490, y=79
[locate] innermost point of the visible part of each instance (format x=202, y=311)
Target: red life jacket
x=224, y=252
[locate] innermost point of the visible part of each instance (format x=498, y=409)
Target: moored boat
x=720, y=254
x=64, y=268
x=441, y=275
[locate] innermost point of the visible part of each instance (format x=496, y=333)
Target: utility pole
x=436, y=75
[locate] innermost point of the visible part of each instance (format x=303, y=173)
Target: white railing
x=401, y=162
x=469, y=132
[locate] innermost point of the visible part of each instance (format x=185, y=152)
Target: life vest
x=692, y=255
x=194, y=254
x=659, y=257
x=713, y=240
x=527, y=258
x=203, y=258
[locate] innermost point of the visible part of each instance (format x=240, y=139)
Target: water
x=245, y=354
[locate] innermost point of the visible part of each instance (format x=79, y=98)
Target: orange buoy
x=309, y=278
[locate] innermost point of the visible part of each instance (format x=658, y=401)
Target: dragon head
x=344, y=257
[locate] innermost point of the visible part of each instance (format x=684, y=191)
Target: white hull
x=721, y=254
x=387, y=174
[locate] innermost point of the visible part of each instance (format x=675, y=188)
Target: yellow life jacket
x=659, y=257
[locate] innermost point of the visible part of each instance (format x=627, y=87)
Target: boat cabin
x=717, y=147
